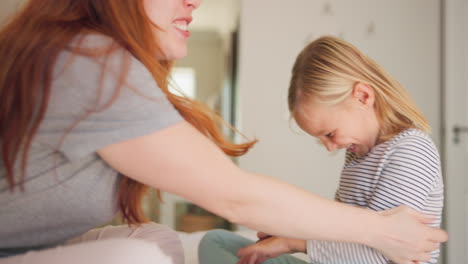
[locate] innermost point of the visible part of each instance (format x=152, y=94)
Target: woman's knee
x=164, y=237
x=109, y=251
x=137, y=251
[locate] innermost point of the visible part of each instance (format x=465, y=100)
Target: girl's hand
x=269, y=247
x=406, y=237
x=262, y=235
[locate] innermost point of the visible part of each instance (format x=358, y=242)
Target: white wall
x=219, y=15
x=405, y=41
x=465, y=44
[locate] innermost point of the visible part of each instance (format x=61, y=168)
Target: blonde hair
x=328, y=68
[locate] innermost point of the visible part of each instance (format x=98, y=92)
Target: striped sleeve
x=410, y=175
x=330, y=252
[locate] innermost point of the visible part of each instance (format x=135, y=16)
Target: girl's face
x=351, y=124
x=172, y=17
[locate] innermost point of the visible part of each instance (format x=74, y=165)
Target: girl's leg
x=221, y=246
x=148, y=244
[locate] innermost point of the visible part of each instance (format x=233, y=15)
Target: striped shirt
x=404, y=170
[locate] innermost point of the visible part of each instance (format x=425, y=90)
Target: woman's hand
x=268, y=247
x=406, y=237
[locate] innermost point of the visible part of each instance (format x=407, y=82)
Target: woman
x=84, y=99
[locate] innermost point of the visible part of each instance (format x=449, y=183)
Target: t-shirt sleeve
x=331, y=252
x=80, y=118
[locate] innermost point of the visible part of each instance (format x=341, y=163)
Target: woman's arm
x=182, y=161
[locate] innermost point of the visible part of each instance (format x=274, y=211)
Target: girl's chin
x=362, y=152
x=358, y=150
x=354, y=149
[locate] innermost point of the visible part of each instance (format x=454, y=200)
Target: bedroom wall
x=403, y=36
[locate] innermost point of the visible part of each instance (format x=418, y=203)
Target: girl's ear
x=364, y=94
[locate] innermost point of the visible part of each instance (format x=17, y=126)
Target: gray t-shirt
x=69, y=189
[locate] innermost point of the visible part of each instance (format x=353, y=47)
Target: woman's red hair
x=29, y=46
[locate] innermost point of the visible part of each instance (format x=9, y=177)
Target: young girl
x=347, y=101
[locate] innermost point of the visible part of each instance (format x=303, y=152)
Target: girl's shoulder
x=413, y=145
x=412, y=138
x=410, y=142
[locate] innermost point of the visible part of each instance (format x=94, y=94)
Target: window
x=183, y=80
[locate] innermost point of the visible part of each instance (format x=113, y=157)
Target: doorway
x=454, y=97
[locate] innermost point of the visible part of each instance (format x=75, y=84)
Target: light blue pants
x=221, y=246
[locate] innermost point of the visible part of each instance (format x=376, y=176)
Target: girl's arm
x=180, y=160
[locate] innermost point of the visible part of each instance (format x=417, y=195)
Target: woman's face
x=172, y=17
x=351, y=124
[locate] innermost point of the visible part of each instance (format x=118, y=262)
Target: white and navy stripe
x=404, y=170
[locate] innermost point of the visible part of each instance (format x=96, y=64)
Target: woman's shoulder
x=95, y=61
x=109, y=99
x=94, y=71
x=91, y=40
x=92, y=51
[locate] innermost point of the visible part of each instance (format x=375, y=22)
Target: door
x=455, y=97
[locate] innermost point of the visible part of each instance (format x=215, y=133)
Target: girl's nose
x=331, y=146
x=193, y=3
